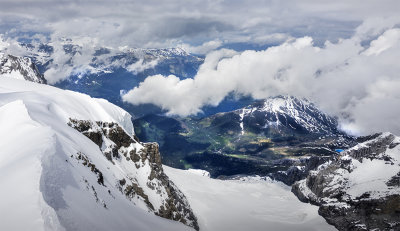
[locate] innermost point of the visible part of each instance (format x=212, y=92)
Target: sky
x=340, y=54
x=151, y=23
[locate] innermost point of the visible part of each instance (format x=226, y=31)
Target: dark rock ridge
x=20, y=67
x=119, y=147
x=360, y=188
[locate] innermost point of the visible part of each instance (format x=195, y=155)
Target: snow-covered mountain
x=72, y=162
x=360, y=189
x=286, y=114
x=20, y=68
x=95, y=60
x=69, y=161
x=160, y=53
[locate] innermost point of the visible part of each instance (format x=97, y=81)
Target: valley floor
x=248, y=204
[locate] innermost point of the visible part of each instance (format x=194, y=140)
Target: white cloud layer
x=356, y=82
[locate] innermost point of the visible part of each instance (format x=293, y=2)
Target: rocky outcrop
x=300, y=168
x=359, y=189
x=150, y=183
x=20, y=68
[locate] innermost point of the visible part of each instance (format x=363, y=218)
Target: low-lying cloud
x=356, y=79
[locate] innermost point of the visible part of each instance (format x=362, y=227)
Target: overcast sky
x=166, y=23
x=343, y=55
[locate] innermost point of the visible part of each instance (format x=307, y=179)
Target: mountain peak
x=284, y=103
x=288, y=113
x=20, y=68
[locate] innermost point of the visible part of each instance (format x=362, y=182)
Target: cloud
x=75, y=62
x=3, y=44
x=169, y=23
x=141, y=65
x=379, y=109
x=199, y=26
x=183, y=97
x=357, y=83
x=203, y=49
x=389, y=39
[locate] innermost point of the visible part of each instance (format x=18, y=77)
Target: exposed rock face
x=150, y=183
x=300, y=169
x=360, y=189
x=20, y=68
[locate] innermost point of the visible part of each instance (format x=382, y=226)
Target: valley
x=264, y=142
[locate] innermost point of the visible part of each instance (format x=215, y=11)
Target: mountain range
x=87, y=166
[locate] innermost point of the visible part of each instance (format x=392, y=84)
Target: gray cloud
x=203, y=48
x=357, y=83
x=175, y=27
x=169, y=23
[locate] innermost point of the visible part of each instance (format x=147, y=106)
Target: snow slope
x=247, y=204
x=44, y=184
x=21, y=199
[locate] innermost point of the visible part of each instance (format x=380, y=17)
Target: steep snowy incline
x=251, y=203
x=54, y=178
